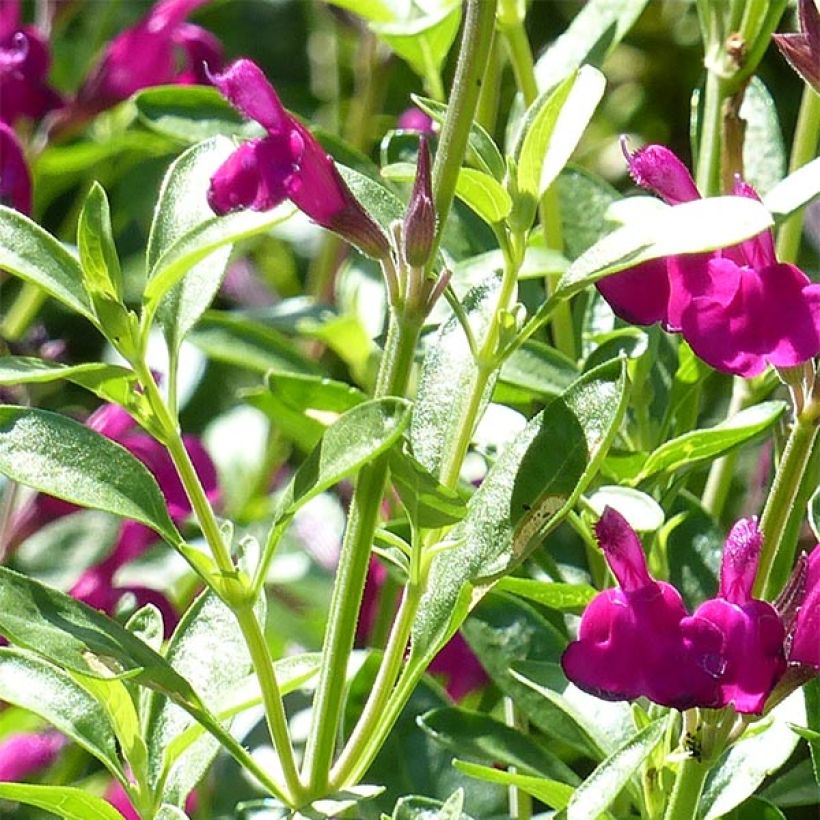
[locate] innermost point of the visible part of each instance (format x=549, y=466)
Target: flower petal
x=15, y=179
x=247, y=89
x=741, y=554
x=623, y=550
x=655, y=167
x=805, y=642
x=638, y=295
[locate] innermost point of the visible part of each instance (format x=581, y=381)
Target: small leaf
x=31, y=253
x=486, y=740
x=95, y=242
x=65, y=801
x=796, y=190
x=597, y=792
x=643, y=513
x=691, y=227
x=692, y=448
x=482, y=152
x=554, y=794
x=34, y=684
x=61, y=457
x=563, y=597
x=429, y=504
x=361, y=434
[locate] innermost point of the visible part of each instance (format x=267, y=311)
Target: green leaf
x=795, y=787
x=169, y=812
x=31, y=253
x=553, y=127
x=755, y=808
x=208, y=650
x=584, y=200
x=359, y=436
x=61, y=457
x=691, y=227
x=764, y=156
x=379, y=201
x=643, y=513
x=481, y=738
x=447, y=377
x=554, y=794
x=528, y=491
x=598, y=791
x=482, y=152
x=590, y=38
x=480, y=191
x=429, y=503
x=95, y=243
x=302, y=406
x=191, y=113
x=34, y=684
x=563, y=597
x=374, y=11
x=534, y=371
x=698, y=446
x=760, y=752
x=182, y=208
x=238, y=340
x=811, y=694
x=64, y=801
x=796, y=190
x=108, y=381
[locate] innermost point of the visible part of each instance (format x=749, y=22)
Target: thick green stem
x=353, y=563
x=22, y=312
x=708, y=171
x=479, y=22
x=804, y=149
x=776, y=555
x=687, y=791
x=272, y=699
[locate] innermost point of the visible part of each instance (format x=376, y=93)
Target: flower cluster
x=96, y=586
x=739, y=308
x=638, y=640
x=286, y=164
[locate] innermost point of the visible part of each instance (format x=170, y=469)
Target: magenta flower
x=414, y=119
x=802, y=49
x=752, y=651
x=15, y=179
x=739, y=308
x=420, y=219
x=161, y=49
x=286, y=164
x=27, y=753
x=805, y=638
x=630, y=640
x=24, y=64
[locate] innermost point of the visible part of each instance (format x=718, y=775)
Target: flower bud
x=420, y=219
x=802, y=49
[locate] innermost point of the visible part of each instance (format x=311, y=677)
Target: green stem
x=487, y=109
x=804, y=149
x=353, y=563
x=479, y=23
x=708, y=170
x=22, y=312
x=518, y=46
x=687, y=791
x=272, y=699
x=776, y=555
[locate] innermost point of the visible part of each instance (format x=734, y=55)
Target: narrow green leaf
x=482, y=152
x=361, y=434
x=481, y=738
x=95, y=243
x=374, y=11
x=378, y=200
x=64, y=801
x=692, y=227
x=764, y=155
x=61, y=457
x=33, y=254
x=34, y=684
x=796, y=190
x=208, y=650
x=429, y=503
x=563, y=597
x=554, y=794
x=534, y=371
x=593, y=34
x=598, y=791
x=698, y=446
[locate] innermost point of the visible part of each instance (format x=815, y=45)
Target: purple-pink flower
x=802, y=49
x=24, y=64
x=161, y=49
x=637, y=640
x=286, y=164
x=804, y=641
x=15, y=179
x=739, y=308
x=414, y=119
x=27, y=753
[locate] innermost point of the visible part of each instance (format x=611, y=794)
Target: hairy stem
x=687, y=790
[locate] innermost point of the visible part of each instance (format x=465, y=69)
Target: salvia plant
x=457, y=484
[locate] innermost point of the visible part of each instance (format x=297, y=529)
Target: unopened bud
x=420, y=219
